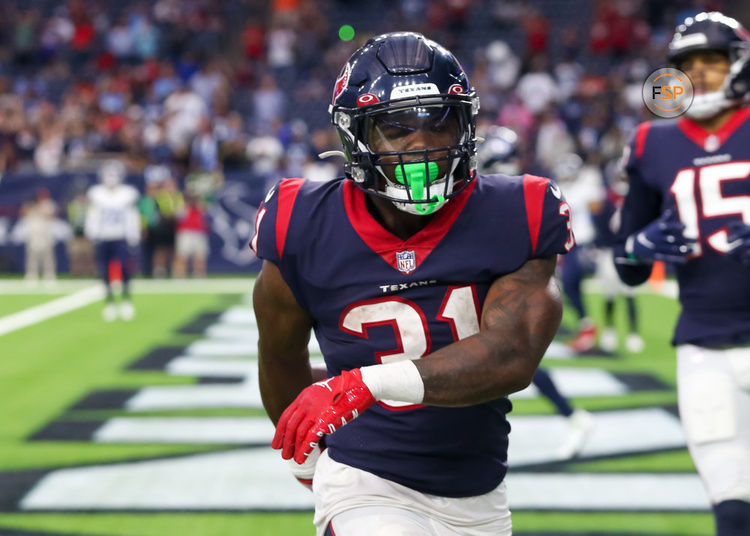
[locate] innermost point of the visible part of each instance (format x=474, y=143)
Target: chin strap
x=414, y=176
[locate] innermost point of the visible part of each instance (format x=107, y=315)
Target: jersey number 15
x=687, y=191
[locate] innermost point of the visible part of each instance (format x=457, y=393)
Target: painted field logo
x=667, y=92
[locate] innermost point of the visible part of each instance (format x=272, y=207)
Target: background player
x=606, y=219
x=499, y=153
x=584, y=190
x=405, y=253
x=689, y=204
x=113, y=225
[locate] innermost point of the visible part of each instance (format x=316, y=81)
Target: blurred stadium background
x=153, y=427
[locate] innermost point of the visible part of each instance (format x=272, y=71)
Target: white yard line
x=139, y=286
x=84, y=292
x=39, y=313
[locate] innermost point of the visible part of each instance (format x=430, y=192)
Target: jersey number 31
x=460, y=308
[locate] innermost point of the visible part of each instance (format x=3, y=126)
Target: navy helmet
x=710, y=32
x=402, y=82
x=499, y=152
x=717, y=33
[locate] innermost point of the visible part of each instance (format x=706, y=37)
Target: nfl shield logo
x=407, y=261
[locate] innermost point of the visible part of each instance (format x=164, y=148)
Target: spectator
x=268, y=104
x=184, y=110
x=80, y=249
x=38, y=217
x=204, y=151
x=537, y=88
x=170, y=202
x=148, y=207
x=192, y=239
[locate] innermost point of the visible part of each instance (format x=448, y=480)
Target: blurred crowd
x=199, y=87
x=192, y=83
x=245, y=83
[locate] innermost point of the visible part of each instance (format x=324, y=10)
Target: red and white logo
x=456, y=89
x=367, y=99
x=406, y=261
x=341, y=82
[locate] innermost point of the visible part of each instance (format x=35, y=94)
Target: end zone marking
x=45, y=311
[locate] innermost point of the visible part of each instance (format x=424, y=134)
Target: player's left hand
x=739, y=242
x=320, y=409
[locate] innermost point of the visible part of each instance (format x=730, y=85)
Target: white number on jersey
x=714, y=204
x=460, y=307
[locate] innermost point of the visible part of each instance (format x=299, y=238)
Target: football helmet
x=715, y=32
x=499, y=152
x=112, y=173
x=393, y=86
x=567, y=168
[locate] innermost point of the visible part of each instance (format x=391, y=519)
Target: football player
x=499, y=154
x=689, y=204
x=113, y=225
x=583, y=188
x=430, y=290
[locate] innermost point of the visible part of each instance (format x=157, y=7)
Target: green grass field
x=47, y=367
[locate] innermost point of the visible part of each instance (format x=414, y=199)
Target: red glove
x=320, y=409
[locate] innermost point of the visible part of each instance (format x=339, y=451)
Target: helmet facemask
x=415, y=152
x=709, y=104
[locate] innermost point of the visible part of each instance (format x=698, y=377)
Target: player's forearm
x=284, y=333
x=499, y=360
x=281, y=381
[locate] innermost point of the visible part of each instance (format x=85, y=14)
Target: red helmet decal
x=742, y=33
x=456, y=89
x=341, y=82
x=366, y=99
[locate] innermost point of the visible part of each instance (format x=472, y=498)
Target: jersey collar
x=711, y=141
x=386, y=244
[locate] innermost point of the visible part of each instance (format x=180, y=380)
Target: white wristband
x=398, y=381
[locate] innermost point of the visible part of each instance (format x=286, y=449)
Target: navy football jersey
x=705, y=178
x=376, y=298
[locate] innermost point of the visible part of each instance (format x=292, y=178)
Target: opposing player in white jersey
x=112, y=224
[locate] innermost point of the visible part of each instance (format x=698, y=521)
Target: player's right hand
x=320, y=409
x=661, y=240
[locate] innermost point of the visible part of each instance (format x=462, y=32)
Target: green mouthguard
x=413, y=175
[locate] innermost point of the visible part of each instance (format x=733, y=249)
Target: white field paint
x=39, y=313
x=258, y=479
x=240, y=285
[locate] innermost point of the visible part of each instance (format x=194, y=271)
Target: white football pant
x=713, y=387
x=358, y=503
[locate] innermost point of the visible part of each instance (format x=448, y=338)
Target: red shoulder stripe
x=640, y=138
x=534, y=189
x=288, y=190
